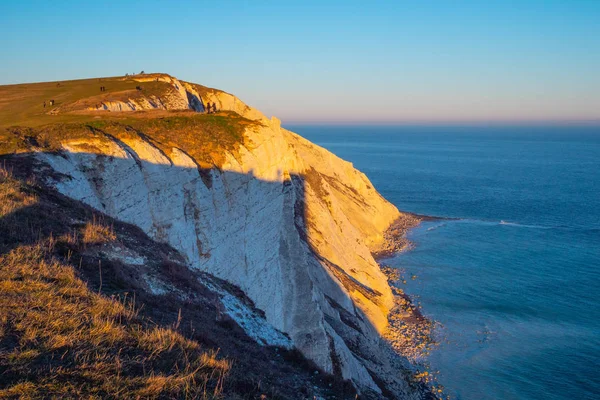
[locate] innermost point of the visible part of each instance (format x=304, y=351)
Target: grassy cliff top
x=25, y=124
x=205, y=137
x=23, y=104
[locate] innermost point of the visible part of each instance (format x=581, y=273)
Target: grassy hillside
x=23, y=104
x=25, y=124
x=58, y=337
x=78, y=322
x=205, y=137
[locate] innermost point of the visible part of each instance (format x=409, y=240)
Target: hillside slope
x=84, y=311
x=244, y=200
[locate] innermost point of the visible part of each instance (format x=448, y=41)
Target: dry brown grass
x=12, y=193
x=98, y=232
x=59, y=339
x=206, y=138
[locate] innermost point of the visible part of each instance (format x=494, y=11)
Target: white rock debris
x=253, y=324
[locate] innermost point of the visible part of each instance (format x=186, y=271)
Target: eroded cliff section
x=288, y=222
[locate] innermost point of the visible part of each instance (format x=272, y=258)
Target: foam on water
x=502, y=222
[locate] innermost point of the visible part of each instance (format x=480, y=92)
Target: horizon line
x=524, y=123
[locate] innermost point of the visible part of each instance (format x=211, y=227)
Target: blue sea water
x=515, y=280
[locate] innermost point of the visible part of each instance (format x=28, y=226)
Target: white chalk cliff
x=287, y=221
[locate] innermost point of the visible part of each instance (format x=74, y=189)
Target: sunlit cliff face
x=241, y=198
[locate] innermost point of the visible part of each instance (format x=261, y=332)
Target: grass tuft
x=97, y=232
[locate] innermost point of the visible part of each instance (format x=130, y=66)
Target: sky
x=324, y=61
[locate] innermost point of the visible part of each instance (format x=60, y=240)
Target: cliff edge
x=242, y=199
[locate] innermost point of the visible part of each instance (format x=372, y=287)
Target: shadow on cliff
x=258, y=367
x=53, y=217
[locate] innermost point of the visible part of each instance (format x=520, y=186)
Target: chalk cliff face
x=288, y=222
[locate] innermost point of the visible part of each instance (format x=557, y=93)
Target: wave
x=432, y=228
x=506, y=223
x=503, y=222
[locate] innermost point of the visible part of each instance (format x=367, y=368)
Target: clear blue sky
x=379, y=61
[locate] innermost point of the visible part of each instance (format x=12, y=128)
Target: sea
x=511, y=273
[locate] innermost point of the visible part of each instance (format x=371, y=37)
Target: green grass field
x=23, y=104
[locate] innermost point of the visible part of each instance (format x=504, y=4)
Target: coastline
x=394, y=237
x=409, y=332
x=477, y=277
